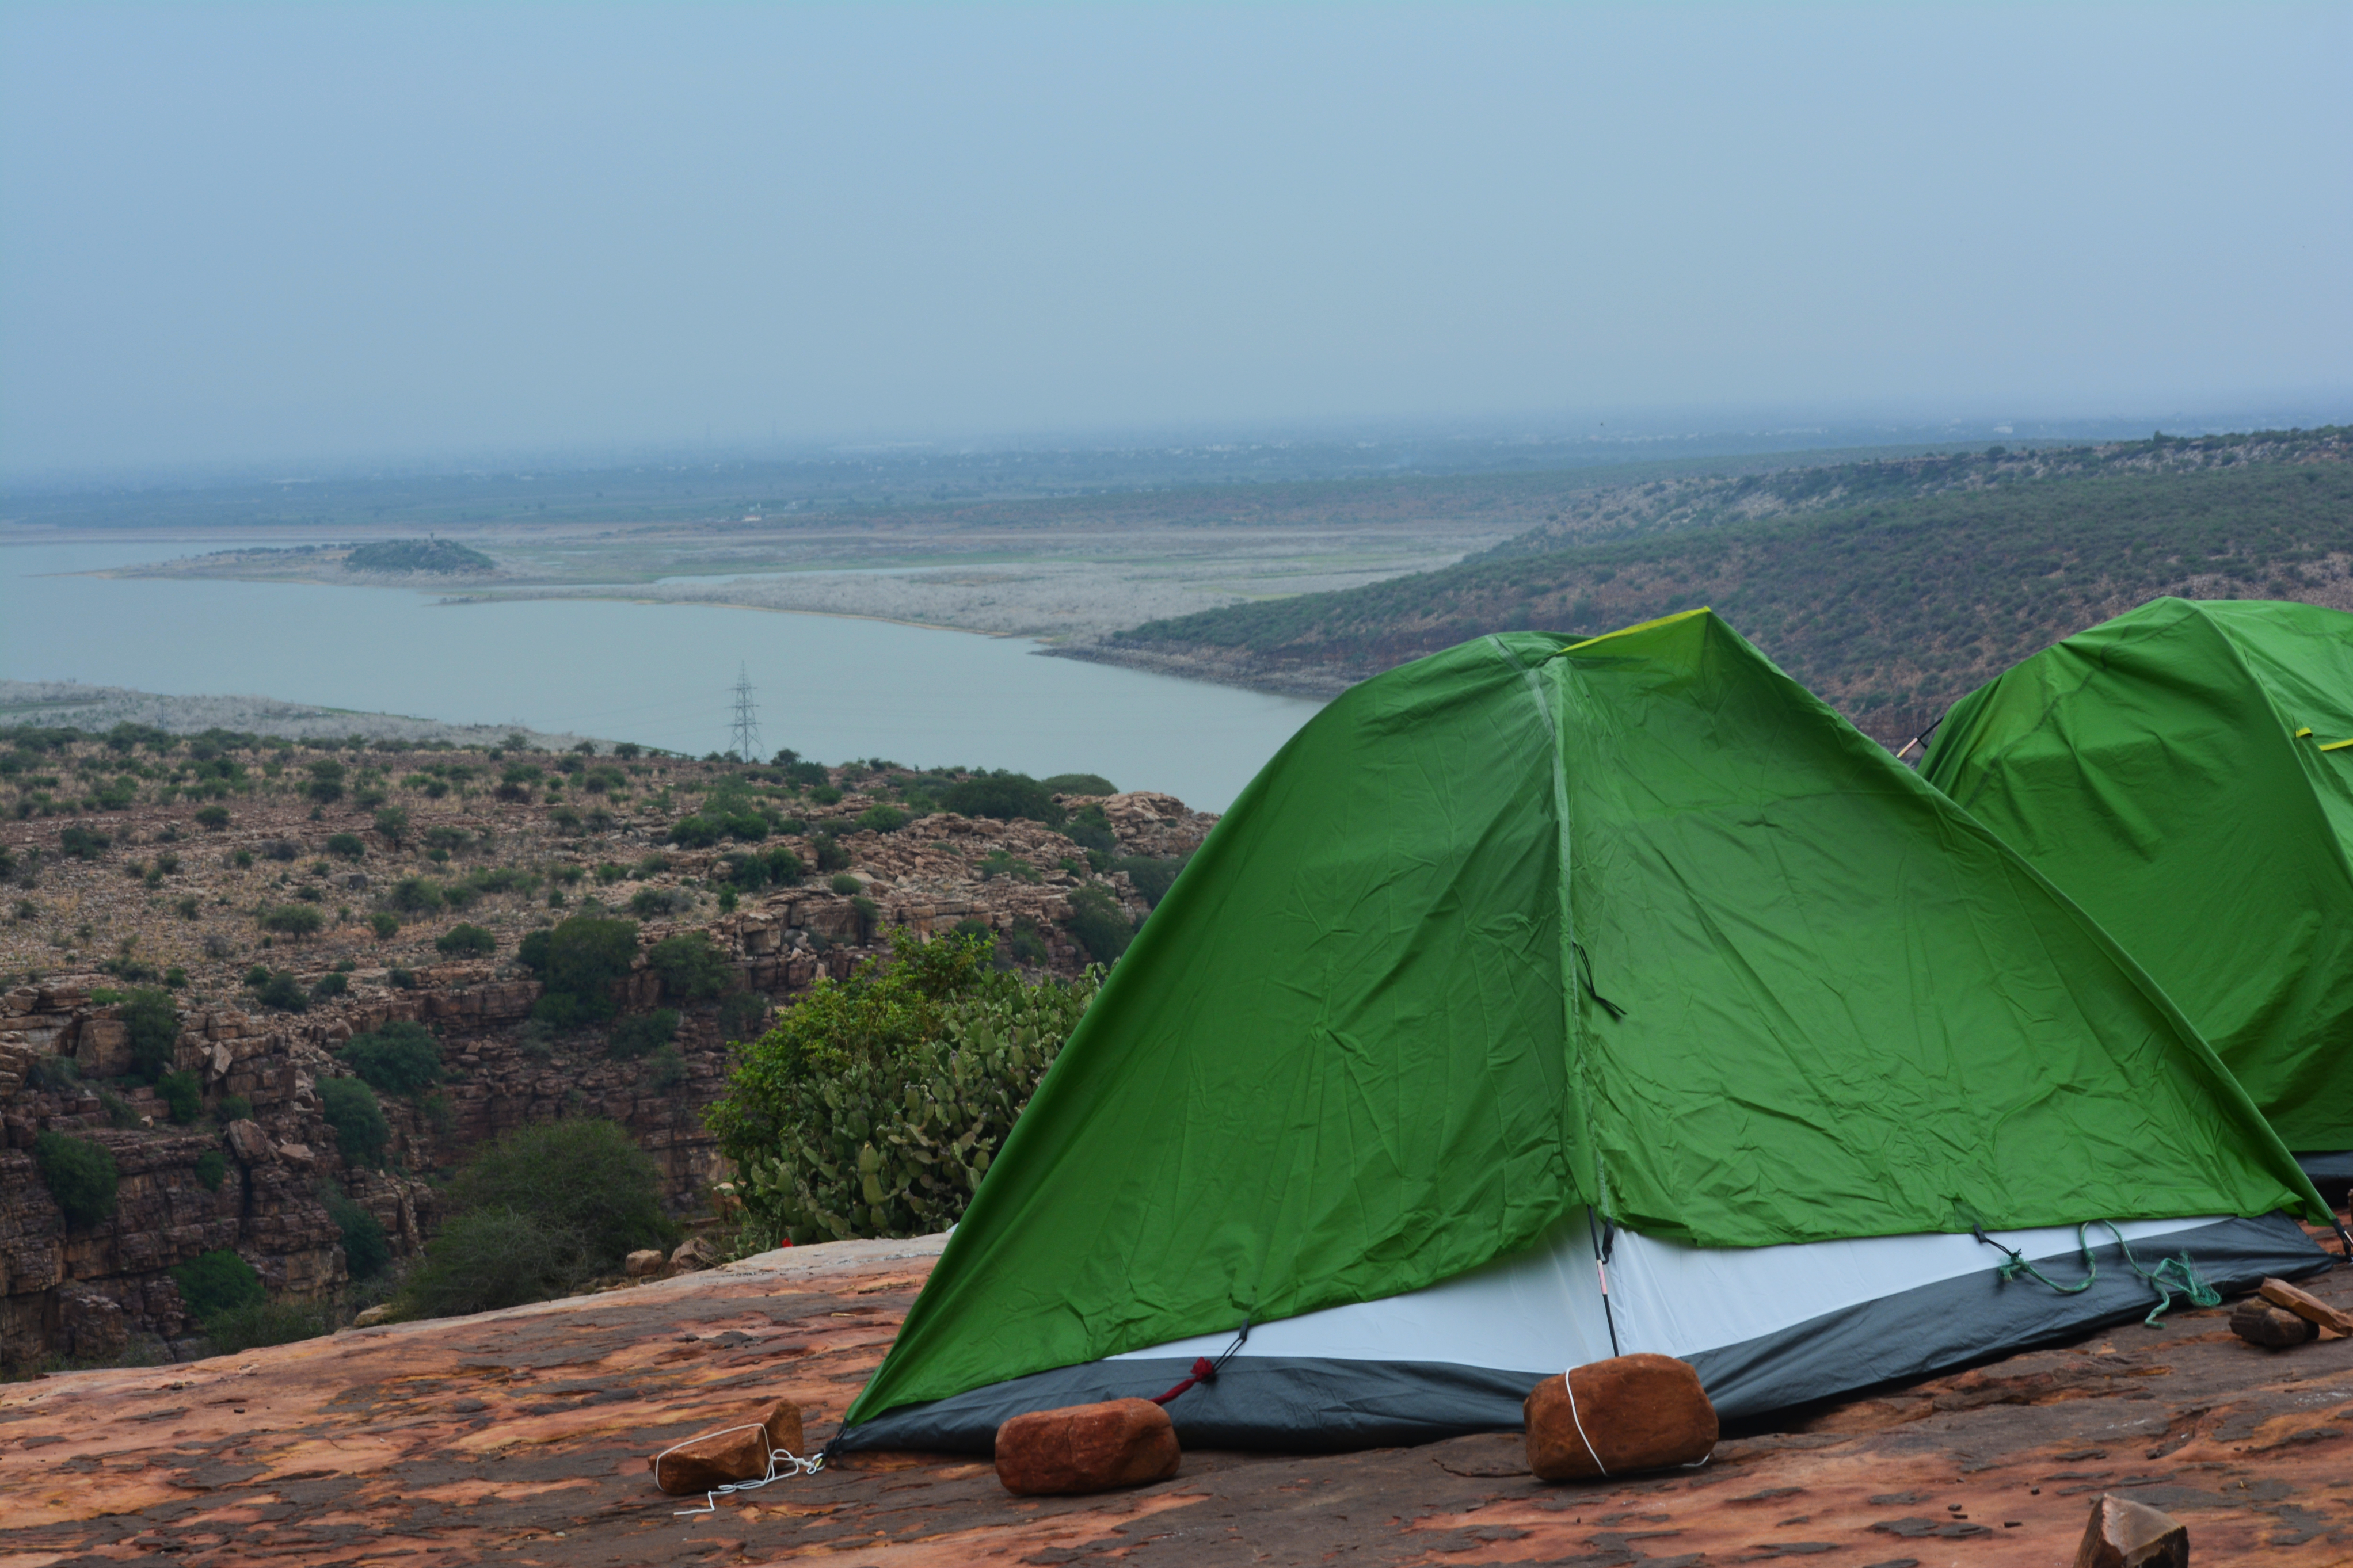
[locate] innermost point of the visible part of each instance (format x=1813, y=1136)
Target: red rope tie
x=1204, y=1370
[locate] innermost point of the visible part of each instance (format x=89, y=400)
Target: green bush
x=385, y=924
x=585, y=1178
x=665, y=1069
x=155, y=1026
x=830, y=854
x=648, y=903
x=231, y=1108
x=696, y=833
x=1003, y=796
x=578, y=962
x=355, y=1118
x=465, y=941
x=330, y=985
x=637, y=1036
x=183, y=1097
x=217, y=1281
x=401, y=1057
x=845, y=883
x=494, y=1258
x=346, y=846
x=80, y=1174
x=1101, y=927
x=276, y=989
x=1090, y=828
x=692, y=968
x=875, y=1106
x=293, y=919
x=82, y=843
x=366, y=1248
x=883, y=818
x=212, y=1170
x=253, y=1327
x=326, y=786
x=1151, y=876
x=1078, y=783
x=745, y=1015
x=212, y=818
x=392, y=825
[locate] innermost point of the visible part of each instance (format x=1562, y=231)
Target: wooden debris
x=2304, y=1305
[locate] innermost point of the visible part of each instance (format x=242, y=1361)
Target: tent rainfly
x=1536, y=954
x=2185, y=772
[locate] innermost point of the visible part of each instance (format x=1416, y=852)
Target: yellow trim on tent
x=2337, y=745
x=2305, y=733
x=1628, y=631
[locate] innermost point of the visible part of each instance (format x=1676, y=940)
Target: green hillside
x=1890, y=608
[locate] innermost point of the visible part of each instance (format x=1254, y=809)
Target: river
x=830, y=688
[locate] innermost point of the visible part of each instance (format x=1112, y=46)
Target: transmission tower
x=746, y=742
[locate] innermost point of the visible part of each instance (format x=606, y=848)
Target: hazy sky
x=320, y=232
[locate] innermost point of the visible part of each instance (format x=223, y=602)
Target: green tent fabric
x=1523, y=926
x=2179, y=771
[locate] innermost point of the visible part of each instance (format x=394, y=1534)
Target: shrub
x=647, y=903
x=385, y=923
x=155, y=1026
x=1003, y=796
x=392, y=824
x=692, y=968
x=696, y=833
x=745, y=1015
x=493, y=1258
x=233, y=1108
x=277, y=989
x=366, y=1248
x=217, y=1281
x=1078, y=783
x=183, y=1097
x=830, y=854
x=212, y=818
x=414, y=896
x=293, y=919
x=282, y=848
x=666, y=1069
x=584, y=1177
x=1089, y=828
x=355, y=1118
x=326, y=786
x=1152, y=877
x=465, y=941
x=845, y=883
x=82, y=843
x=635, y=1036
x=212, y=1169
x=346, y=846
x=400, y=1058
x=578, y=962
x=875, y=1105
x=80, y=1174
x=239, y=1328
x=883, y=818
x=330, y=985
x=1101, y=927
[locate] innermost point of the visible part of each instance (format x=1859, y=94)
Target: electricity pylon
x=746, y=742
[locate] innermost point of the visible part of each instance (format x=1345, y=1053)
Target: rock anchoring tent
x=2185, y=772
x=1532, y=954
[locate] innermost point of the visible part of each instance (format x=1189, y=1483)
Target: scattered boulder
x=373, y=1316
x=2305, y=1305
x=1612, y=1417
x=250, y=1144
x=1086, y=1448
x=735, y=1453
x=2259, y=1322
x=2125, y=1534
x=646, y=1263
x=694, y=1252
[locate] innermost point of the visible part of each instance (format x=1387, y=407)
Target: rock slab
x=1613, y=1417
x=1086, y=1448
x=735, y=1454
x=2125, y=1534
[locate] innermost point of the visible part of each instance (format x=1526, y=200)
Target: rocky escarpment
x=105, y=1290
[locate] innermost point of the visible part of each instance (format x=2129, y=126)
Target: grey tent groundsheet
x=1460, y=1356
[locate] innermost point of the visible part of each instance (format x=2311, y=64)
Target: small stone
x=2125, y=1534
x=373, y=1316
x=1630, y=1412
x=1086, y=1448
x=644, y=1263
x=694, y=1252
x=736, y=1454
x=2259, y=1322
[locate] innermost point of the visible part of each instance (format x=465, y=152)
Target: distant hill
x=417, y=556
x=1891, y=588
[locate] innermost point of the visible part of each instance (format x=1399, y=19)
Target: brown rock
x=694, y=1252
x=2259, y=1322
x=2124, y=1534
x=1635, y=1413
x=735, y=1453
x=1086, y=1448
x=2310, y=1308
x=644, y=1263
x=250, y=1144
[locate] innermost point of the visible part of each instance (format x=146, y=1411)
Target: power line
x=745, y=741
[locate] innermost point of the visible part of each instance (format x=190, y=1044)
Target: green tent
x=1534, y=952
x=2185, y=772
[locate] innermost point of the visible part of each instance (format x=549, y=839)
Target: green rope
x=2171, y=1277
